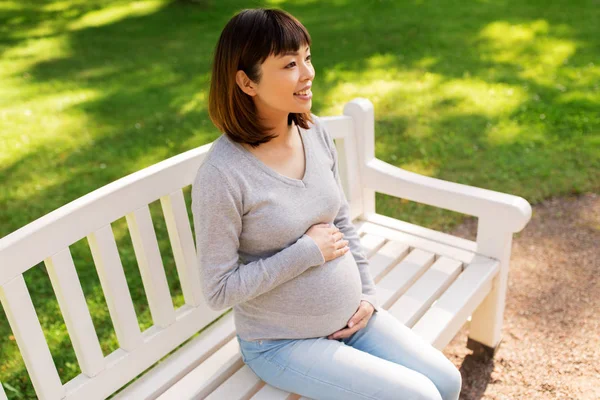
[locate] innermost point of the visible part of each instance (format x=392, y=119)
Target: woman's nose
x=309, y=71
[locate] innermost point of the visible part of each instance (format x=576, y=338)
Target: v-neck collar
x=258, y=163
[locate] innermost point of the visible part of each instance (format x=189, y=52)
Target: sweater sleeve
x=217, y=211
x=345, y=225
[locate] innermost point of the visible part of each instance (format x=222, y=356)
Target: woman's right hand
x=329, y=240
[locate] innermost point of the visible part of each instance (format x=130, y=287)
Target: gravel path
x=551, y=336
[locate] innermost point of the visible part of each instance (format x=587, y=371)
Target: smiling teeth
x=303, y=92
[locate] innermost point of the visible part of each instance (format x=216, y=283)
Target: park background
x=503, y=95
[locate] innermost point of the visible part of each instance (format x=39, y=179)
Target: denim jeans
x=384, y=360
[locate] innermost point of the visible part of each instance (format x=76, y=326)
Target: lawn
x=502, y=95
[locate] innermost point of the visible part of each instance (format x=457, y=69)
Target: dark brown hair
x=245, y=43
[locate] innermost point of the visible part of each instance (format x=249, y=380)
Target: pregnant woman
x=275, y=239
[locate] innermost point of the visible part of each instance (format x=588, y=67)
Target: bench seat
x=430, y=281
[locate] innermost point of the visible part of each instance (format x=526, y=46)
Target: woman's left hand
x=358, y=321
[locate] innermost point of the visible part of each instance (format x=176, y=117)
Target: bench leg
x=482, y=351
x=486, y=322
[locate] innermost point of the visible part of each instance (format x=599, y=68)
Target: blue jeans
x=384, y=360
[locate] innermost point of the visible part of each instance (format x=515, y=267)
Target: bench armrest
x=508, y=211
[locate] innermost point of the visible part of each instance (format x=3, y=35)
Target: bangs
x=283, y=34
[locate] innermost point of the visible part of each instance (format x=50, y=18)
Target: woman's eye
x=309, y=58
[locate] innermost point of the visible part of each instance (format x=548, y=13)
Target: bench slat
x=243, y=383
x=114, y=285
x=371, y=243
x=151, y=266
x=418, y=242
x=398, y=280
x=423, y=232
x=268, y=392
x=30, y=338
x=340, y=128
x=76, y=314
x=440, y=323
x=182, y=243
x=209, y=376
x=417, y=299
x=386, y=258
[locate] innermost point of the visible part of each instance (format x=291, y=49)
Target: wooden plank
x=386, y=258
x=425, y=233
x=510, y=213
x=417, y=299
x=114, y=285
x=182, y=243
x=445, y=318
x=243, y=384
x=30, y=339
x=152, y=270
x=341, y=129
x=338, y=126
x=76, y=314
x=123, y=366
x=371, y=243
x=418, y=242
x=208, y=377
x=268, y=392
x=487, y=320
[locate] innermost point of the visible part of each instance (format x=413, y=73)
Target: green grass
x=502, y=95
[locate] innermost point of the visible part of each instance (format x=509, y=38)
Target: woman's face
x=282, y=78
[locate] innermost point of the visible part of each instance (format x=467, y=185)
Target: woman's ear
x=245, y=83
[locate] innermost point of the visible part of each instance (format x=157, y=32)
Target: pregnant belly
x=332, y=288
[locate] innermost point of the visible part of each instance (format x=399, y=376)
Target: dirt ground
x=551, y=337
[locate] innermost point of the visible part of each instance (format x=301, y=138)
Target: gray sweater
x=253, y=252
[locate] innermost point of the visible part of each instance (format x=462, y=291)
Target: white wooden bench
x=431, y=281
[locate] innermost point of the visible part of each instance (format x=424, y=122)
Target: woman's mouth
x=304, y=94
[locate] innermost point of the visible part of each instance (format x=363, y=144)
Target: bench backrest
x=48, y=239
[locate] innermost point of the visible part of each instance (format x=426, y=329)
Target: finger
x=344, y=333
x=358, y=317
x=341, y=244
x=341, y=251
